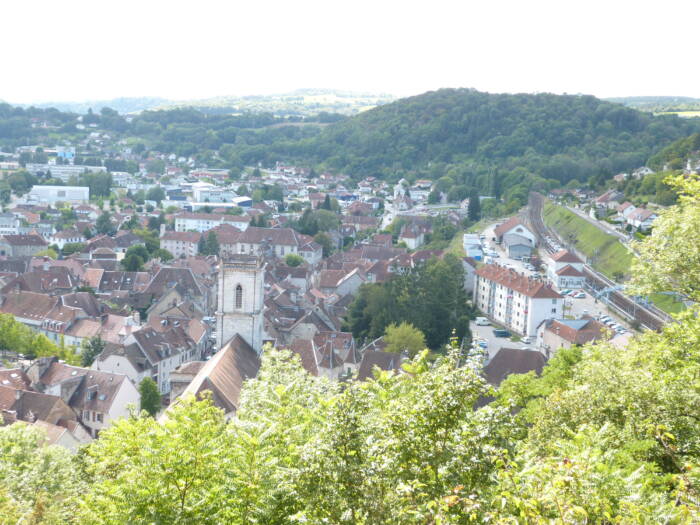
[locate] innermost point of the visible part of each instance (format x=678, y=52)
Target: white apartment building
x=180, y=243
x=202, y=222
x=514, y=300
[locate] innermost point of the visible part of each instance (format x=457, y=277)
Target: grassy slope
x=609, y=255
x=667, y=303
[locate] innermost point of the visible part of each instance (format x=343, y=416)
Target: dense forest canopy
x=675, y=155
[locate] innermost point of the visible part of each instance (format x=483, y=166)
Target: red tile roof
x=518, y=282
x=566, y=256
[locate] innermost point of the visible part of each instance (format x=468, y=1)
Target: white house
x=98, y=398
x=641, y=218
x=515, y=226
x=280, y=241
x=514, y=300
x=566, y=270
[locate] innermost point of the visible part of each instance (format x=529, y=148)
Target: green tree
x=51, y=254
x=212, y=244
x=404, y=337
x=72, y=247
x=104, y=224
x=162, y=254
x=156, y=193
x=326, y=243
x=38, y=483
x=132, y=263
x=91, y=348
x=669, y=259
x=326, y=204
x=474, y=209
x=150, y=396
x=292, y=259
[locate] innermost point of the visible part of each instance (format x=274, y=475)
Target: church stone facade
x=240, y=300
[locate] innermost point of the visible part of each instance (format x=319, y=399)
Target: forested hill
x=560, y=137
x=500, y=144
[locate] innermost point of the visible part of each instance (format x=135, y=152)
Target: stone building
x=240, y=300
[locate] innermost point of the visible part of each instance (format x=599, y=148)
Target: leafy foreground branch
x=613, y=439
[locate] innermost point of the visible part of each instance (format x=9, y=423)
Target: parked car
x=526, y=340
x=566, y=292
x=501, y=333
x=482, y=321
x=483, y=344
x=580, y=295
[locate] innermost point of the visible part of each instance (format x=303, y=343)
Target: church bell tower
x=240, y=300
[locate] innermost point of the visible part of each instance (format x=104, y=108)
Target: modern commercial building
x=53, y=194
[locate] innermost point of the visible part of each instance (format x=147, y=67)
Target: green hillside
x=501, y=145
x=605, y=252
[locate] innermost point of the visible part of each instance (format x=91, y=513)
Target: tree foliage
x=431, y=298
x=150, y=396
x=402, y=338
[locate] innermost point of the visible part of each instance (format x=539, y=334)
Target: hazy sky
x=79, y=50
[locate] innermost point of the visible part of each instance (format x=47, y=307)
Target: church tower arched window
x=239, y=296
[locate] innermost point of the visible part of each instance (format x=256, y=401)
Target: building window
x=554, y=310
x=100, y=418
x=239, y=296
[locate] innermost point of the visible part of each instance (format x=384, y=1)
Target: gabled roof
x=28, y=305
x=570, y=271
x=14, y=378
x=509, y=225
x=383, y=360
x=518, y=282
x=566, y=256
x=170, y=277
x=105, y=385
x=513, y=361
x=577, y=331
x=191, y=237
x=225, y=373
x=304, y=348
x=31, y=239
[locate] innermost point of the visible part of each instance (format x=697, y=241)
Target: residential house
x=515, y=227
x=22, y=245
x=565, y=333
x=98, y=398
